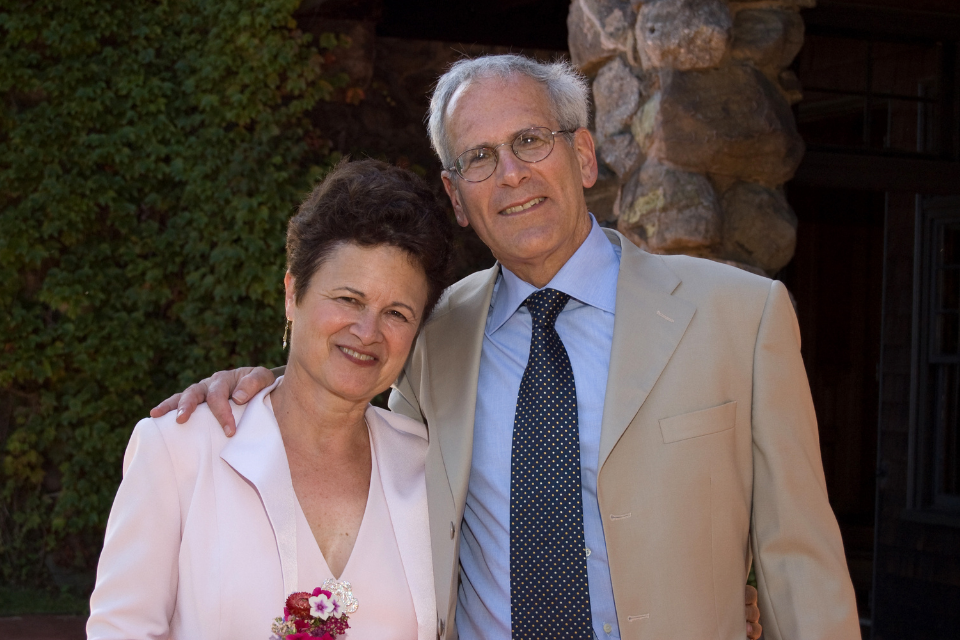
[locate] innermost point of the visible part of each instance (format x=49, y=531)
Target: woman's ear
x=289, y=299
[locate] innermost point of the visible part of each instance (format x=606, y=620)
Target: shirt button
x=607, y=627
x=453, y=530
x=588, y=551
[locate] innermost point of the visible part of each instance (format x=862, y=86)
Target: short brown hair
x=372, y=203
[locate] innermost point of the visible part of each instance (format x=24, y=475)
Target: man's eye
x=528, y=140
x=477, y=156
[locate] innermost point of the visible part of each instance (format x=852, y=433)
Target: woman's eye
x=398, y=315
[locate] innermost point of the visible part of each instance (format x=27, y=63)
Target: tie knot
x=545, y=305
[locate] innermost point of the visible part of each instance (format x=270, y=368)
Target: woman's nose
x=367, y=326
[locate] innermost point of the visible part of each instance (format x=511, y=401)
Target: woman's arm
x=137, y=576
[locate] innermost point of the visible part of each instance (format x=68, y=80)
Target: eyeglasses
x=530, y=145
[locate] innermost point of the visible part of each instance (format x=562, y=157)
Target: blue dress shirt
x=586, y=328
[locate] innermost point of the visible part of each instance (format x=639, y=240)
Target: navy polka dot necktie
x=549, y=595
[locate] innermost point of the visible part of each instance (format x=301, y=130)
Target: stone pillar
x=693, y=123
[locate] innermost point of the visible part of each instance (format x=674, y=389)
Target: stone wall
x=693, y=123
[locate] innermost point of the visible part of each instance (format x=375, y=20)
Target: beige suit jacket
x=709, y=453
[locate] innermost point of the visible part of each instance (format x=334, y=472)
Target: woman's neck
x=314, y=420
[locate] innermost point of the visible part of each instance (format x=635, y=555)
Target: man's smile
x=522, y=206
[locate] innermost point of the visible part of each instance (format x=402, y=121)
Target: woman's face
x=357, y=319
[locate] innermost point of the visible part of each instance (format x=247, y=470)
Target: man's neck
x=540, y=272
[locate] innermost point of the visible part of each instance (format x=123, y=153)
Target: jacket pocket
x=699, y=423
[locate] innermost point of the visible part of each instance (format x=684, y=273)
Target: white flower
x=337, y=610
x=321, y=606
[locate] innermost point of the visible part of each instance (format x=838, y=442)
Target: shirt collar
x=589, y=276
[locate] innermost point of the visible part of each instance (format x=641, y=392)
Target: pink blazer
x=201, y=540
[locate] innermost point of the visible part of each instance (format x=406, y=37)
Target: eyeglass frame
x=496, y=153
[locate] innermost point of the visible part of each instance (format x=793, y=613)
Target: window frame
x=926, y=453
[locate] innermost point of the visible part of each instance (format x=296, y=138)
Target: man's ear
x=450, y=185
x=587, y=155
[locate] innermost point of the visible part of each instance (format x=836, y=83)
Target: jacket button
x=453, y=531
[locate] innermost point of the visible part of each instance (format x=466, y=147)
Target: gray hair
x=567, y=89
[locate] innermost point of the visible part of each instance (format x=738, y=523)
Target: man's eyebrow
x=513, y=136
x=363, y=295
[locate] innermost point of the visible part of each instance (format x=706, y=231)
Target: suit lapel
x=256, y=452
x=452, y=364
x=400, y=458
x=649, y=324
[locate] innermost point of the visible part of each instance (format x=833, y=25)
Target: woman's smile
x=359, y=358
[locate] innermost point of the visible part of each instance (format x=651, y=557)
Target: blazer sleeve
x=805, y=589
x=137, y=576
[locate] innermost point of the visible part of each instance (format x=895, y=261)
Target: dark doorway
x=836, y=278
x=880, y=118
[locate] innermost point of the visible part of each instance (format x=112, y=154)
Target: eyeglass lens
x=531, y=145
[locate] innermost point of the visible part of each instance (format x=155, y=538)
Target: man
x=614, y=436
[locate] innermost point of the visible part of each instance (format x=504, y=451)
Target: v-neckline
x=302, y=517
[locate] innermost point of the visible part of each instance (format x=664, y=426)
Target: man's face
x=531, y=215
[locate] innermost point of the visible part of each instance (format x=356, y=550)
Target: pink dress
x=375, y=570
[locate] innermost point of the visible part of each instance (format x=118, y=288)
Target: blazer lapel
x=256, y=452
x=452, y=361
x=649, y=324
x=400, y=460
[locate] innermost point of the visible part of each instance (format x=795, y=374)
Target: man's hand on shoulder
x=237, y=384
x=752, y=612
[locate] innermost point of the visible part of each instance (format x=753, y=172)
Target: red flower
x=326, y=636
x=299, y=636
x=302, y=625
x=317, y=592
x=298, y=604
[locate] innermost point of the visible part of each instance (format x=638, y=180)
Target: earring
x=286, y=332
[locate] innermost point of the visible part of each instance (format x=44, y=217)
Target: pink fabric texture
x=203, y=539
x=375, y=570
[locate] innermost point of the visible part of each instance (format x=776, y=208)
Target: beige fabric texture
x=709, y=453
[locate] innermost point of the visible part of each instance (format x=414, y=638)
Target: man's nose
x=511, y=170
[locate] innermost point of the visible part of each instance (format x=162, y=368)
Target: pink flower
x=318, y=591
x=322, y=605
x=299, y=636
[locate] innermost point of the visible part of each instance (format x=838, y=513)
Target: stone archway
x=693, y=123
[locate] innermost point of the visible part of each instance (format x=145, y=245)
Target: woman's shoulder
x=198, y=428
x=186, y=445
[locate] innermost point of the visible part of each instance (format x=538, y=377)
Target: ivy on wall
x=151, y=152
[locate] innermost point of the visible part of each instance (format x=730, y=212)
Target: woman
x=208, y=536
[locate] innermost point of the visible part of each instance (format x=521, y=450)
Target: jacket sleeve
x=802, y=577
x=137, y=576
